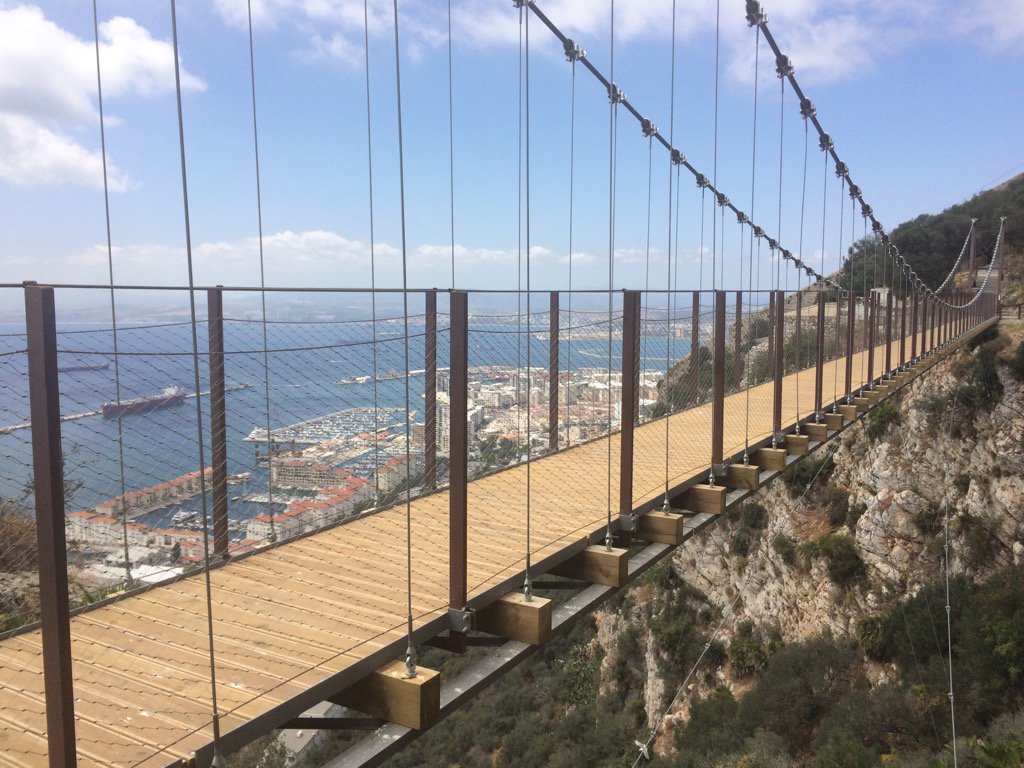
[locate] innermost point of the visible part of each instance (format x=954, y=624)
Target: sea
x=306, y=373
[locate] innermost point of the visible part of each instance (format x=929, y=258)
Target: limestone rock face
x=910, y=482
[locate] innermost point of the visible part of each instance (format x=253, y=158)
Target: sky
x=923, y=99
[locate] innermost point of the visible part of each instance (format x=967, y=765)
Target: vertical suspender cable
x=218, y=760
x=410, y=653
x=668, y=259
x=129, y=581
x=714, y=151
x=451, y=142
x=750, y=276
x=613, y=113
x=799, y=275
x=519, y=254
x=842, y=258
x=527, y=583
x=821, y=283
x=572, y=171
x=373, y=260
x=263, y=285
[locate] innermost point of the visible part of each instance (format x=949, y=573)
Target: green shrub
x=981, y=541
x=755, y=515
x=869, y=632
x=881, y=417
x=799, y=476
x=742, y=541
x=747, y=652
x=854, y=514
x=837, y=505
x=845, y=567
x=785, y=547
x=1017, y=363
x=931, y=520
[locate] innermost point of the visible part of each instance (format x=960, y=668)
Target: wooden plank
x=816, y=432
x=705, y=498
x=848, y=412
x=834, y=421
x=797, y=445
x=773, y=459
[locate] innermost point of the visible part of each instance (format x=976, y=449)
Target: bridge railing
x=103, y=495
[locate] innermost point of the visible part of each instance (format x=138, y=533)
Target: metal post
x=779, y=320
x=718, y=388
x=738, y=331
x=630, y=396
x=851, y=320
x=430, y=391
x=903, y=330
x=973, y=268
x=694, y=345
x=48, y=487
x=771, y=317
x=458, y=468
x=799, y=339
x=819, y=363
x=913, y=329
x=888, y=332
x=931, y=324
x=872, y=312
x=218, y=421
x=553, y=373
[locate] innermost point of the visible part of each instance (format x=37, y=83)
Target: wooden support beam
x=873, y=396
x=745, y=476
x=816, y=432
x=661, y=528
x=797, y=445
x=515, y=617
x=862, y=404
x=388, y=694
x=834, y=421
x=771, y=459
x=705, y=498
x=848, y=412
x=598, y=565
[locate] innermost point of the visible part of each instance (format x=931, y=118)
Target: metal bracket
x=573, y=52
x=783, y=66
x=722, y=199
x=825, y=142
x=615, y=95
x=678, y=158
x=628, y=523
x=461, y=619
x=806, y=108
x=649, y=129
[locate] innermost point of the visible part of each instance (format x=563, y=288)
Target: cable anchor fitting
x=758, y=232
x=755, y=14
x=806, y=108
x=825, y=142
x=842, y=170
x=702, y=181
x=721, y=199
x=865, y=209
x=854, y=191
x=615, y=95
x=678, y=158
x=649, y=129
x=783, y=66
x=573, y=52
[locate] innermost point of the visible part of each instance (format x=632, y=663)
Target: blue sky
x=923, y=98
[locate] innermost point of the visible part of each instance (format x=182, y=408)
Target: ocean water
x=304, y=365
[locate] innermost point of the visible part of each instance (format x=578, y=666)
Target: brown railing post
x=851, y=320
x=718, y=389
x=630, y=396
x=48, y=487
x=771, y=317
x=903, y=330
x=799, y=337
x=218, y=421
x=819, y=362
x=913, y=328
x=931, y=324
x=458, y=468
x=888, y=332
x=873, y=314
x=738, y=330
x=694, y=344
x=430, y=390
x=779, y=328
x=553, y=373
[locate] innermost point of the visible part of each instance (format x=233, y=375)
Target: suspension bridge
x=697, y=398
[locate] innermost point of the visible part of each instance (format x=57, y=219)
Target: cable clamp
x=865, y=209
x=854, y=191
x=876, y=226
x=721, y=199
x=573, y=52
x=787, y=255
x=783, y=66
x=461, y=619
x=678, y=158
x=615, y=95
x=842, y=170
x=758, y=232
x=649, y=129
x=825, y=142
x=702, y=181
x=810, y=271
x=521, y=3
x=755, y=15
x=741, y=218
x=773, y=243
x=806, y=108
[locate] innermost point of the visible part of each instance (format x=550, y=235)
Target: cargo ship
x=83, y=367
x=170, y=396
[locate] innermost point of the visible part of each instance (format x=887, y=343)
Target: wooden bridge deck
x=298, y=615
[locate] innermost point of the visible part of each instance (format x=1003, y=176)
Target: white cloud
x=48, y=93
